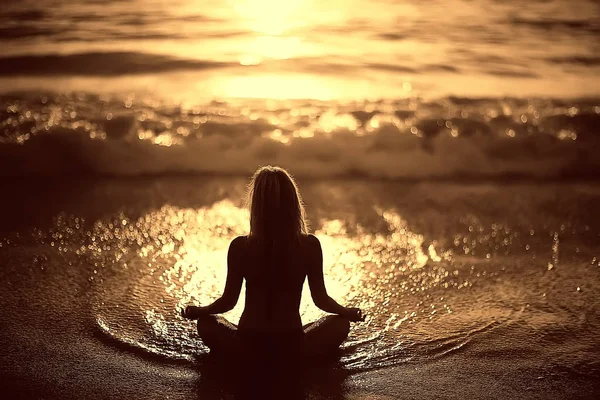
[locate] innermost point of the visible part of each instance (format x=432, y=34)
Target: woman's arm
x=316, y=283
x=233, y=286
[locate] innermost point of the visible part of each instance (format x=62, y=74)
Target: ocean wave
x=27, y=31
x=451, y=138
x=588, y=61
x=109, y=64
x=99, y=64
x=574, y=25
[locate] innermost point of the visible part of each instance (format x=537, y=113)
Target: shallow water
x=501, y=272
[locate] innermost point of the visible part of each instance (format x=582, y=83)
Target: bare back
x=274, y=279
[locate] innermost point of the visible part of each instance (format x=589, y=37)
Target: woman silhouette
x=274, y=259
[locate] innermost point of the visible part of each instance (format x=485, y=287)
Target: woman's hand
x=191, y=312
x=354, y=314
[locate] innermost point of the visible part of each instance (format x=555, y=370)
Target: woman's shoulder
x=238, y=243
x=239, y=240
x=310, y=240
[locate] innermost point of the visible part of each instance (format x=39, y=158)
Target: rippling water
x=394, y=89
x=439, y=268
x=304, y=48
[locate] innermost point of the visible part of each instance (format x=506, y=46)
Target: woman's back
x=274, y=259
x=274, y=274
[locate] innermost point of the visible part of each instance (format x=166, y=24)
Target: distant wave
x=130, y=63
x=99, y=64
x=23, y=15
x=590, y=26
x=587, y=61
x=452, y=138
x=27, y=31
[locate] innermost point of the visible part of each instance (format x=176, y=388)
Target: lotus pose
x=274, y=259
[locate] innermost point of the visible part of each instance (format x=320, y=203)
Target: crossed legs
x=321, y=337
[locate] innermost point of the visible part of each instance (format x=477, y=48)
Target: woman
x=274, y=259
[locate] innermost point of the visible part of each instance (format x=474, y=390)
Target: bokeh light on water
x=438, y=268
x=182, y=259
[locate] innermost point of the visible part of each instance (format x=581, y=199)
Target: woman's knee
x=342, y=324
x=327, y=336
x=336, y=323
x=206, y=324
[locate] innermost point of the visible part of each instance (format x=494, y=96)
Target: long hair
x=276, y=208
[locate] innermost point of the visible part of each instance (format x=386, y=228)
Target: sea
x=448, y=153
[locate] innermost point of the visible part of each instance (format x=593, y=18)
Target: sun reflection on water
x=182, y=260
x=199, y=271
x=273, y=17
x=460, y=283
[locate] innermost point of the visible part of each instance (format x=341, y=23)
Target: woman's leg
x=325, y=335
x=218, y=334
